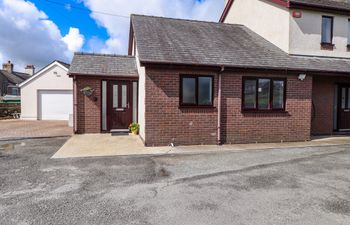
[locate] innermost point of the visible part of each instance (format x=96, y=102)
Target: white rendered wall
x=269, y=20
x=47, y=81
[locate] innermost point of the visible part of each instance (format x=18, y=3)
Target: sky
x=40, y=31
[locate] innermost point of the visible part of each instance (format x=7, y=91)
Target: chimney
x=8, y=67
x=30, y=69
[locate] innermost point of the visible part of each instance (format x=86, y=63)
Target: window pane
x=250, y=94
x=205, y=91
x=124, y=96
x=349, y=32
x=278, y=94
x=115, y=96
x=189, y=90
x=264, y=94
x=343, y=97
x=327, y=29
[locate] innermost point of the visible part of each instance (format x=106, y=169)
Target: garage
x=55, y=104
x=47, y=95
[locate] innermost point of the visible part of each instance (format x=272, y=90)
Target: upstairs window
x=327, y=30
x=196, y=91
x=264, y=94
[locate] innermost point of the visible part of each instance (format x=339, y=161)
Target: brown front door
x=119, y=104
x=344, y=108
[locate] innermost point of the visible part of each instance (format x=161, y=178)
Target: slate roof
x=24, y=76
x=15, y=77
x=330, y=4
x=103, y=65
x=175, y=41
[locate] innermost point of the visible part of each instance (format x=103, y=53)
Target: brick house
x=193, y=82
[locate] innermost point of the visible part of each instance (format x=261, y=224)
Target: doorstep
x=98, y=145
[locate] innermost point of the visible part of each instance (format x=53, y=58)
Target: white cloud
x=27, y=36
x=118, y=28
x=74, y=40
x=94, y=44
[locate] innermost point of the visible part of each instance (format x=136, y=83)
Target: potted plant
x=134, y=128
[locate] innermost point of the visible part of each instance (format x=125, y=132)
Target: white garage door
x=55, y=105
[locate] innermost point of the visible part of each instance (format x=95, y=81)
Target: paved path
x=93, y=145
x=294, y=186
x=16, y=129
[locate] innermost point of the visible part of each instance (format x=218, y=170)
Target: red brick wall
x=166, y=122
x=88, y=110
x=292, y=125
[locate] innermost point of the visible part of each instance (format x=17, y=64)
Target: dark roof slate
x=103, y=65
x=175, y=41
x=15, y=77
x=23, y=76
x=330, y=4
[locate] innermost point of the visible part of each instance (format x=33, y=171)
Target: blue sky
x=39, y=31
x=65, y=17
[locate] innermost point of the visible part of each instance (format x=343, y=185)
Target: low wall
x=6, y=109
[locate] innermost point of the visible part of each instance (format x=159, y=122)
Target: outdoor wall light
x=87, y=91
x=302, y=76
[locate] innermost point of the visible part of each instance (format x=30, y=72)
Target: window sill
x=282, y=111
x=196, y=107
x=327, y=46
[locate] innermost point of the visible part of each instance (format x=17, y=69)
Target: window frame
x=196, y=105
x=270, y=109
x=332, y=30
x=348, y=42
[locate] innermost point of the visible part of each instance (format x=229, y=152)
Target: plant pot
x=135, y=132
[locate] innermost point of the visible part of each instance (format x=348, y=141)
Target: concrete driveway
x=18, y=129
x=291, y=186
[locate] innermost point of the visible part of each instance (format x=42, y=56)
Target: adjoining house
x=10, y=79
x=243, y=80
x=48, y=94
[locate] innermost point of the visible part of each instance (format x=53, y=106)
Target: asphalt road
x=302, y=186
